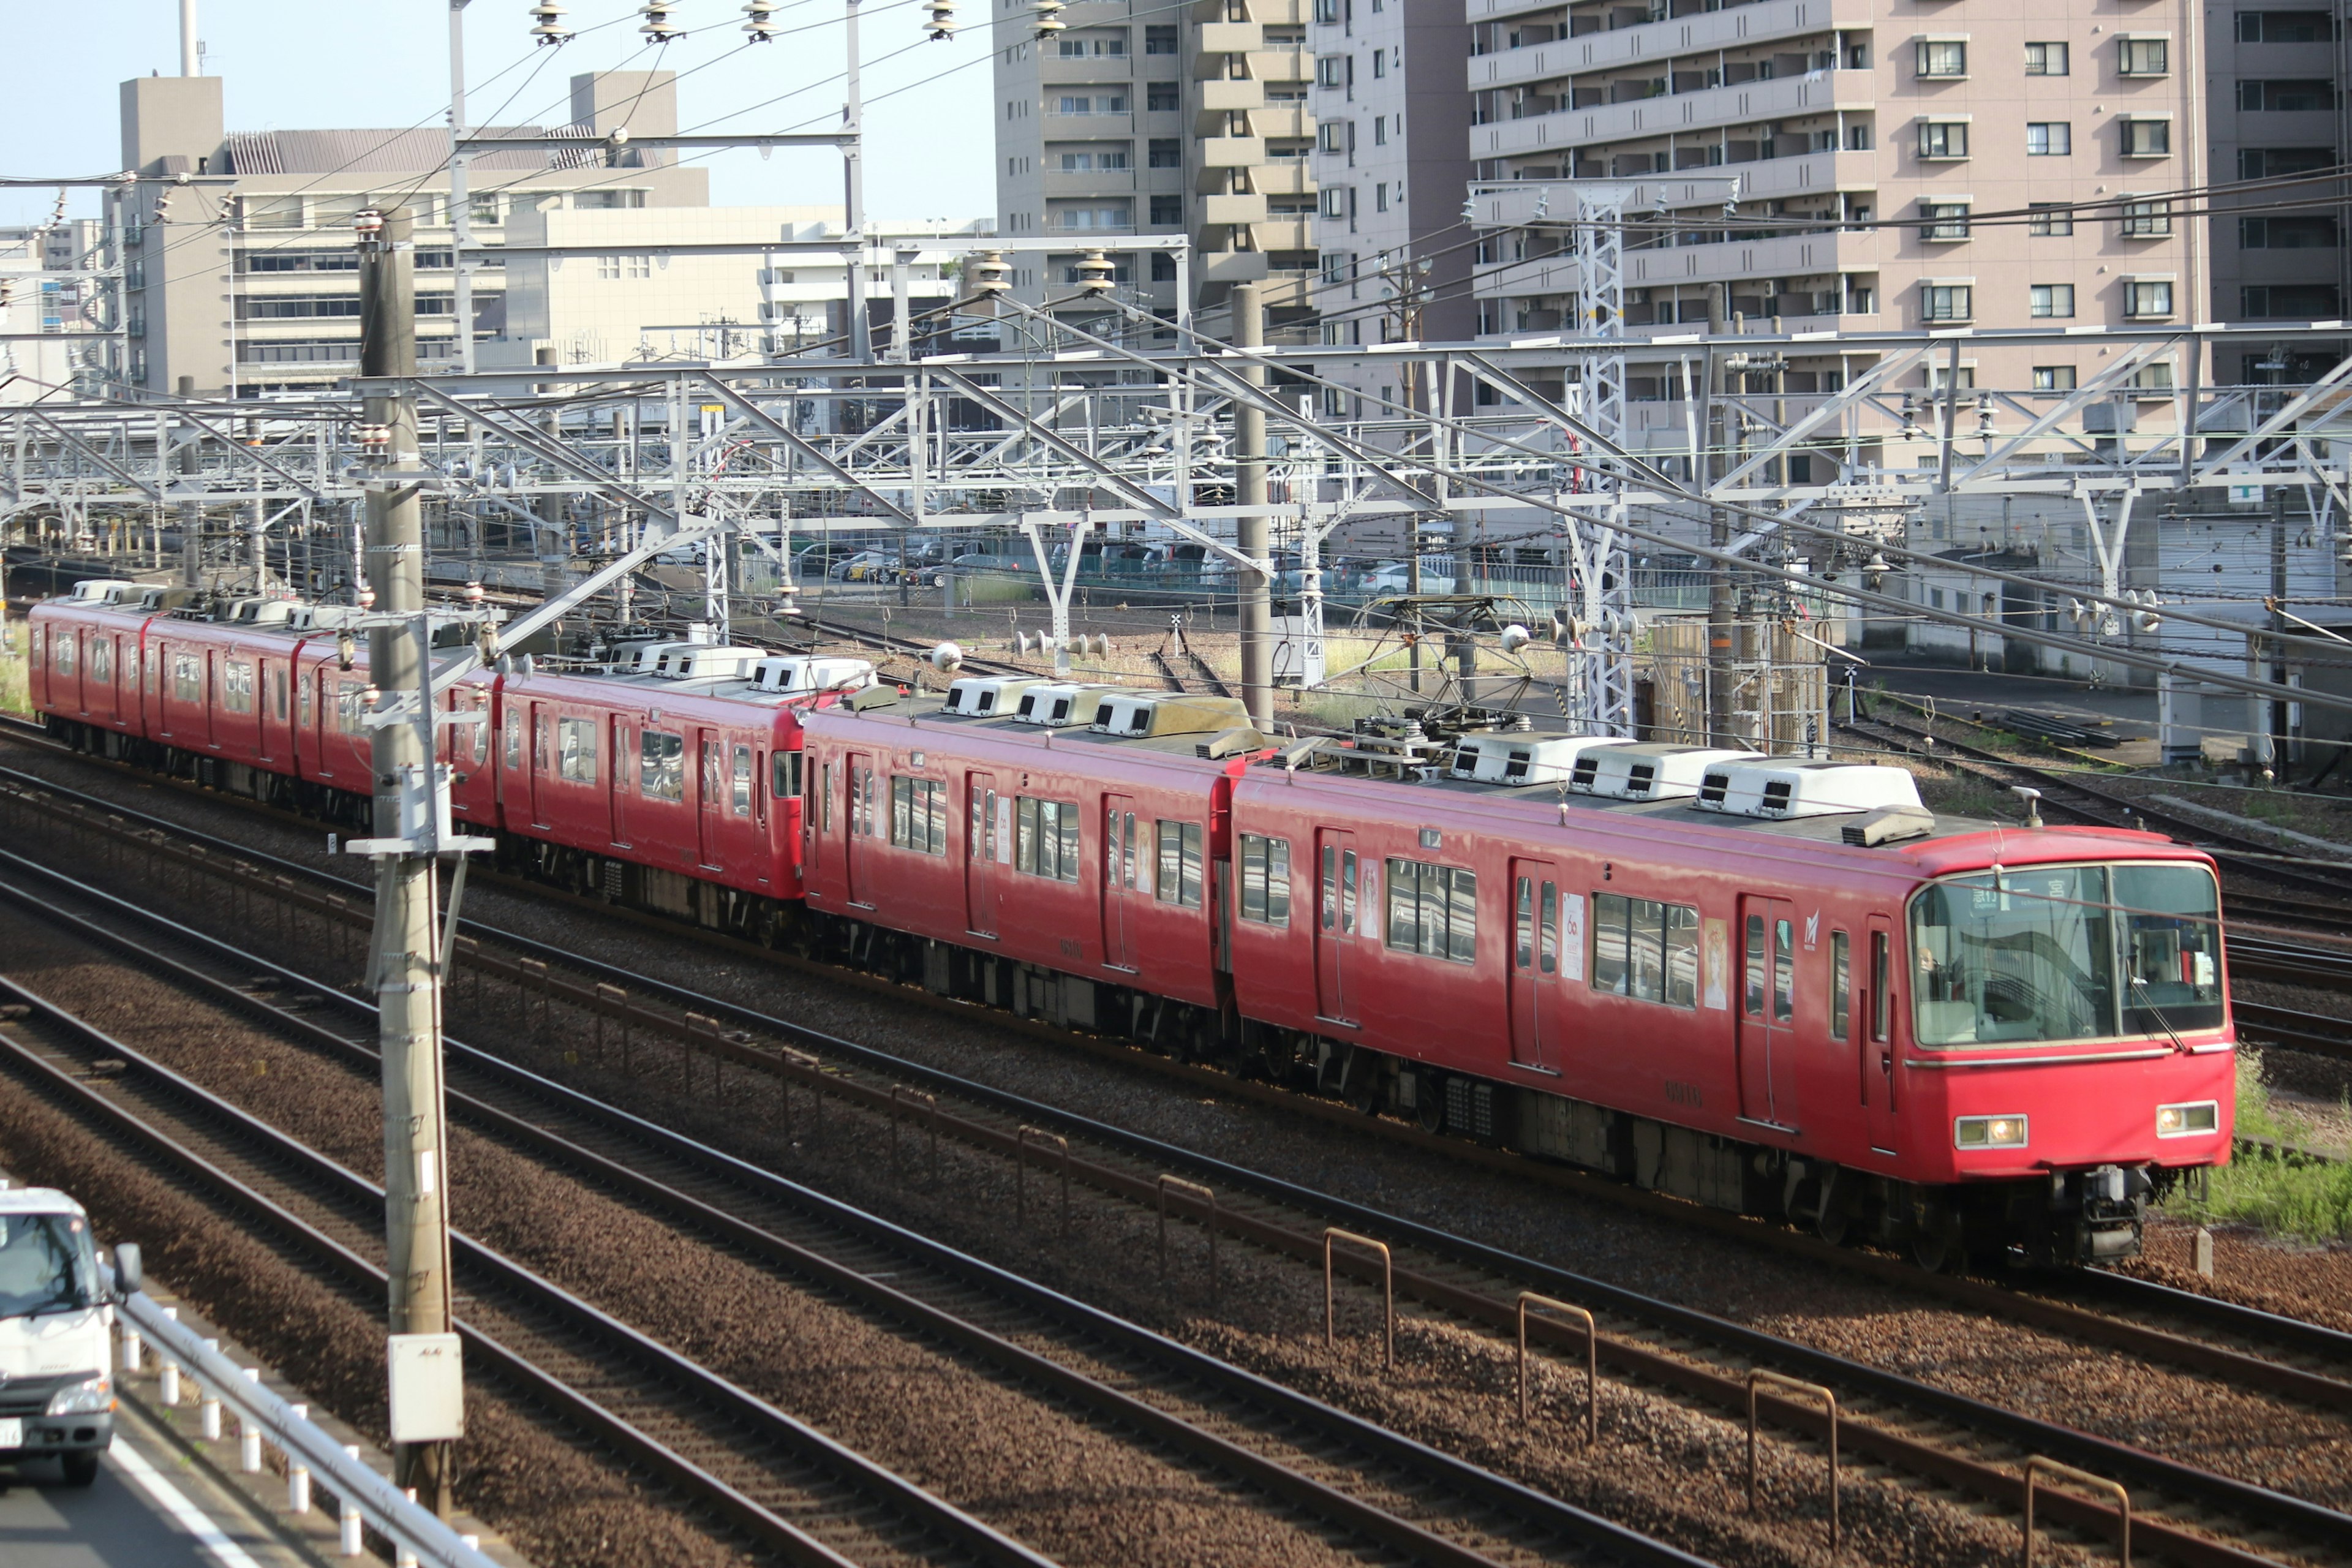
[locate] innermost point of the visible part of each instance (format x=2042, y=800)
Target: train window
x=350, y=704
x=101, y=660
x=130, y=672
x=1523, y=928
x=1882, y=974
x=1433, y=910
x=788, y=775
x=918, y=814
x=575, y=750
x=1266, y=880
x=1551, y=949
x=278, y=696
x=2171, y=941
x=514, y=741
x=1753, y=977
x=824, y=803
x=1046, y=838
x=661, y=764
x=236, y=685
x=1784, y=972
x=303, y=697
x=738, y=796
x=1180, y=864
x=1648, y=950
x=1841, y=983
x=187, y=678
x=64, y=646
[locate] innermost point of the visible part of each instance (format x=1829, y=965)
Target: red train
x=1765, y=984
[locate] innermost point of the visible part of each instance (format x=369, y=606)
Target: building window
x=2147, y=220
x=2049, y=138
x=1380, y=197
x=2289, y=302
x=1328, y=137
x=1107, y=158
x=1380, y=130
x=1167, y=210
x=2049, y=218
x=918, y=814
x=1433, y=910
x=1944, y=138
x=2052, y=300
x=2315, y=232
x=1645, y=949
x=1331, y=72
x=2054, y=378
x=1165, y=153
x=2155, y=378
x=2045, y=59
x=1946, y=220
x=1161, y=96
x=1940, y=58
x=1158, y=40
x=2144, y=56
x=2147, y=298
x=607, y=201
x=2270, y=163
x=1095, y=103
x=1945, y=301
x=1379, y=63
x=1266, y=880
x=2311, y=95
x=2285, y=27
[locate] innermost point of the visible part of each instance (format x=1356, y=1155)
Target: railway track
x=2069, y=795
x=1367, y=1489
x=890, y=643
x=1641, y=1335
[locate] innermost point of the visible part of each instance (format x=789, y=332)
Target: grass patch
x=15, y=680
x=2308, y=1199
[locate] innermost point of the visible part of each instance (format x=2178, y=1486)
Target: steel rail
x=973, y=1540
x=2028, y=1433
x=1479, y=1488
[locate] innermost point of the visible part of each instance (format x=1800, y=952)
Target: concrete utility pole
x=2280, y=758
x=461, y=216
x=853, y=189
x=1722, y=600
x=191, y=513
x=1251, y=532
x=405, y=945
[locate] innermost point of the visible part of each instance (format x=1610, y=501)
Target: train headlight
x=2186, y=1120
x=1989, y=1132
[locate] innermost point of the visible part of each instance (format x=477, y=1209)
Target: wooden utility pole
x=404, y=951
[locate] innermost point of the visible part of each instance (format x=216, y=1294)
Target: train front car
x=2071, y=1054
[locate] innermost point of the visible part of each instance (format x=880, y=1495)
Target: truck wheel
x=81, y=1466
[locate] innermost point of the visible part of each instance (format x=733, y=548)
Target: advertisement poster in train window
x=1571, y=935
x=1714, y=963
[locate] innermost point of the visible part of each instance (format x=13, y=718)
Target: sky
x=385, y=63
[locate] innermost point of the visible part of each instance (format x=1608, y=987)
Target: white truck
x=56, y=1317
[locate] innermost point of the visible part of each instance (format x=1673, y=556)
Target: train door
x=1120, y=937
x=710, y=798
x=617, y=795
x=863, y=791
x=1335, y=922
x=986, y=845
x=1537, y=953
x=1877, y=1028
x=1767, y=963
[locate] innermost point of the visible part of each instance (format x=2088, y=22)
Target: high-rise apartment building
x=1392, y=158
x=2276, y=115
x=1905, y=166
x=1152, y=119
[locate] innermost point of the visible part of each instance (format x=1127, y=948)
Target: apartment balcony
x=1283, y=234
x=1216, y=39
x=1739, y=26
x=1287, y=287
x=1284, y=177
x=1802, y=174
x=1282, y=119
x=1282, y=65
x=1117, y=70
x=1743, y=103
x=1224, y=97
x=1231, y=151
x=1793, y=256
x=1093, y=183
x=1248, y=208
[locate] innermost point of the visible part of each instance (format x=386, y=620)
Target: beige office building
x=1898, y=167
x=1149, y=119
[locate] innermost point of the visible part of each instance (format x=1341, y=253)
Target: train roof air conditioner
x=691, y=661
x=1784, y=788
x=1139, y=715
x=797, y=675
x=1524, y=759
x=1062, y=706
x=1647, y=771
x=102, y=590
x=986, y=696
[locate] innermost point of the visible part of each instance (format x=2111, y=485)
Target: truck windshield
x=47, y=1264
x=2066, y=952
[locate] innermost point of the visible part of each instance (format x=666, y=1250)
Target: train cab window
x=661, y=764
x=575, y=750
x=1266, y=880
x=1648, y=950
x=918, y=814
x=738, y=798
x=1841, y=983
x=1180, y=864
x=1046, y=838
x=1433, y=910
x=1882, y=973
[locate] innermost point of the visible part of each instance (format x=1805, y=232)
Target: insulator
x=547, y=23
x=658, y=28
x=367, y=223
x=942, y=23
x=372, y=434
x=8, y=292
x=760, y=20
x=1096, y=274
x=989, y=273
x=1049, y=17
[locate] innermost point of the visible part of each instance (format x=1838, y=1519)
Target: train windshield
x=2066, y=952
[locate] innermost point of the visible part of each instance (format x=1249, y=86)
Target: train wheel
x=1935, y=1234
x=1836, y=1215
x=1429, y=1103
